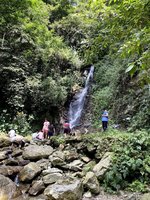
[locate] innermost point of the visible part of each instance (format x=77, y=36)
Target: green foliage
x=59, y=9
x=45, y=42
x=131, y=162
x=20, y=123
x=57, y=140
x=37, y=66
x=101, y=100
x=138, y=186
x=5, y=121
x=11, y=11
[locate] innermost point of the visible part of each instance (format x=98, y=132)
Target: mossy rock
x=4, y=142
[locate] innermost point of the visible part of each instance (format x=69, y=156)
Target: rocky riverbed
x=52, y=170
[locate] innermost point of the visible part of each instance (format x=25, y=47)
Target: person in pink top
x=45, y=128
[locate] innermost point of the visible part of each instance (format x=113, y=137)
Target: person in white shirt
x=17, y=140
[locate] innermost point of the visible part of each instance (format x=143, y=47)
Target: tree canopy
x=44, y=44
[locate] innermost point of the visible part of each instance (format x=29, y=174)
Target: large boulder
x=104, y=164
x=36, y=152
x=29, y=172
x=7, y=188
x=91, y=183
x=36, y=188
x=71, y=190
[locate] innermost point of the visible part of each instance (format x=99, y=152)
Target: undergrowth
x=130, y=167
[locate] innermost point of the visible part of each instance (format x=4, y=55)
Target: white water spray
x=76, y=106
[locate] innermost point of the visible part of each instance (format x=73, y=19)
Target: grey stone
x=4, y=142
x=104, y=164
x=76, y=165
x=91, y=183
x=85, y=159
x=35, y=152
x=3, y=155
x=64, y=191
x=87, y=194
x=44, y=163
x=71, y=155
x=51, y=171
x=57, y=158
x=7, y=188
x=9, y=170
x=37, y=187
x=52, y=178
x=146, y=196
x=29, y=172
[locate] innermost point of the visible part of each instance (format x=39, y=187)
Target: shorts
x=66, y=130
x=50, y=133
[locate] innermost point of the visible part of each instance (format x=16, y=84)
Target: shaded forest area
x=44, y=45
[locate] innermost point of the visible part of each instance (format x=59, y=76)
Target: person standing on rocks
x=66, y=127
x=45, y=128
x=105, y=120
x=51, y=130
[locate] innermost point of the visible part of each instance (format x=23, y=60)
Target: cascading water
x=76, y=106
x=16, y=180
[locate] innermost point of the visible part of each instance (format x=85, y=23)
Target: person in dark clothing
x=105, y=120
x=51, y=130
x=66, y=127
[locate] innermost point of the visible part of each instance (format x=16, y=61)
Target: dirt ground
x=122, y=196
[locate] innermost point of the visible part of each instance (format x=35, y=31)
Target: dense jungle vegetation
x=45, y=44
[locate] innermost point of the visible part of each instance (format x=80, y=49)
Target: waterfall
x=76, y=106
x=16, y=180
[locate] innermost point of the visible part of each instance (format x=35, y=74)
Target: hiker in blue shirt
x=105, y=120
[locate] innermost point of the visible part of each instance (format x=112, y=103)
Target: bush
x=20, y=123
x=130, y=163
